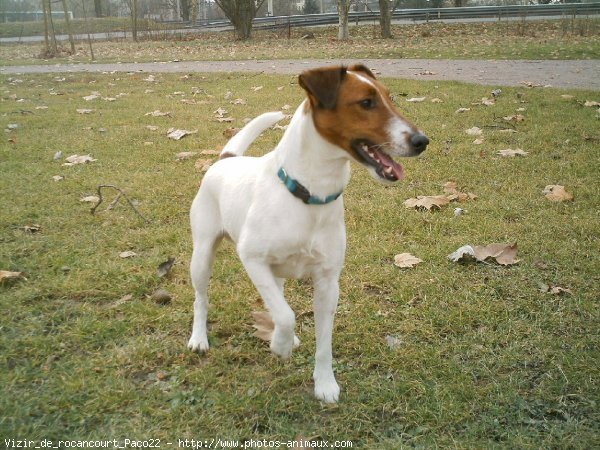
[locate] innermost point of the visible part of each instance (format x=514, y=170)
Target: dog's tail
x=239, y=143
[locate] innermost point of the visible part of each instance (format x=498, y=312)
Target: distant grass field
x=443, y=355
x=557, y=39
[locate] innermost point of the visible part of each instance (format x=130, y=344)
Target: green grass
x=556, y=39
x=486, y=360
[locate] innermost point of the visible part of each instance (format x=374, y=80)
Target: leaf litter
x=503, y=254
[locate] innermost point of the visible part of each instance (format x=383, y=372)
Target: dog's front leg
x=270, y=289
x=325, y=302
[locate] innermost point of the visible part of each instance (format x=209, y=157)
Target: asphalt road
x=579, y=74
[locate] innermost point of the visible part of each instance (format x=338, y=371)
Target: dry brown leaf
x=127, y=254
x=84, y=111
x=555, y=290
x=33, y=228
x=462, y=110
x=504, y=254
x=511, y=153
x=591, y=103
x=406, y=260
x=182, y=156
x=210, y=152
x=90, y=199
x=454, y=194
x=427, y=202
x=158, y=113
x=263, y=323
x=416, y=99
x=514, y=118
x=474, y=131
x=177, y=134
x=8, y=275
x=256, y=88
x=230, y=132
x=202, y=165
x=557, y=193
x=76, y=159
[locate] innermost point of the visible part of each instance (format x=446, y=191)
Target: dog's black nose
x=419, y=142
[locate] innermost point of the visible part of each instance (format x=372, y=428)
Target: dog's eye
x=367, y=103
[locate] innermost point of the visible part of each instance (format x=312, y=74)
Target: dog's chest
x=317, y=245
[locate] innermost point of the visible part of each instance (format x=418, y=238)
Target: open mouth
x=372, y=155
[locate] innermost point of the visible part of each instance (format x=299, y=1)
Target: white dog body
x=278, y=235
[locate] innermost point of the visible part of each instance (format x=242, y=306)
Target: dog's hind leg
x=206, y=240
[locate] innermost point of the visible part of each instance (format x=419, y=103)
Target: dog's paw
x=283, y=349
x=296, y=342
x=198, y=344
x=327, y=391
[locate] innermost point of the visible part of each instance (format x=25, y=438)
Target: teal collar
x=301, y=192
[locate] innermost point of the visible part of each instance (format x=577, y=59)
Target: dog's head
x=352, y=110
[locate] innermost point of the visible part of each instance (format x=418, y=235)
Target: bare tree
x=98, y=8
x=49, y=33
x=68, y=22
x=133, y=12
x=343, y=11
x=240, y=13
x=385, y=19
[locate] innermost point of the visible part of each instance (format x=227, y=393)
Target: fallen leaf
x=557, y=193
x=220, y=112
x=554, y=290
x=238, y=101
x=92, y=96
x=591, y=103
x=161, y=297
x=58, y=155
x=165, y=267
x=8, y=275
x=210, y=152
x=202, y=165
x=225, y=119
x=416, y=99
x=177, y=134
x=511, y=153
x=462, y=110
x=406, y=260
x=256, y=88
x=451, y=189
x=182, y=156
x=84, y=111
x=90, y=199
x=474, y=131
x=33, y=228
x=127, y=254
x=567, y=97
x=514, y=118
x=427, y=202
x=488, y=101
x=58, y=178
x=263, y=324
x=503, y=254
x=230, y=132
x=152, y=127
x=158, y=113
x=478, y=141
x=77, y=159
x=437, y=100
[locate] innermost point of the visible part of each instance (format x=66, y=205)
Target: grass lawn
x=440, y=355
x=557, y=39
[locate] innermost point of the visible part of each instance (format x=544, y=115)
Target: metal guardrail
x=423, y=14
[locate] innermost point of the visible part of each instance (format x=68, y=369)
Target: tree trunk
x=46, y=27
x=68, y=22
x=385, y=19
x=240, y=13
x=343, y=10
x=98, y=8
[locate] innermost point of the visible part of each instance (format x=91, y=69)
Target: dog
x=284, y=211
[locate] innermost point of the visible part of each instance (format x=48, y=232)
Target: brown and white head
x=354, y=111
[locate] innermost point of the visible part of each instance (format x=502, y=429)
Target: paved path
x=580, y=74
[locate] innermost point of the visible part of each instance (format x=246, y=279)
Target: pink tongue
x=389, y=162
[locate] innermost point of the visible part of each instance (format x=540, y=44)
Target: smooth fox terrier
x=284, y=211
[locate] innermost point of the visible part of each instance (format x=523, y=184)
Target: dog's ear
x=362, y=68
x=322, y=86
